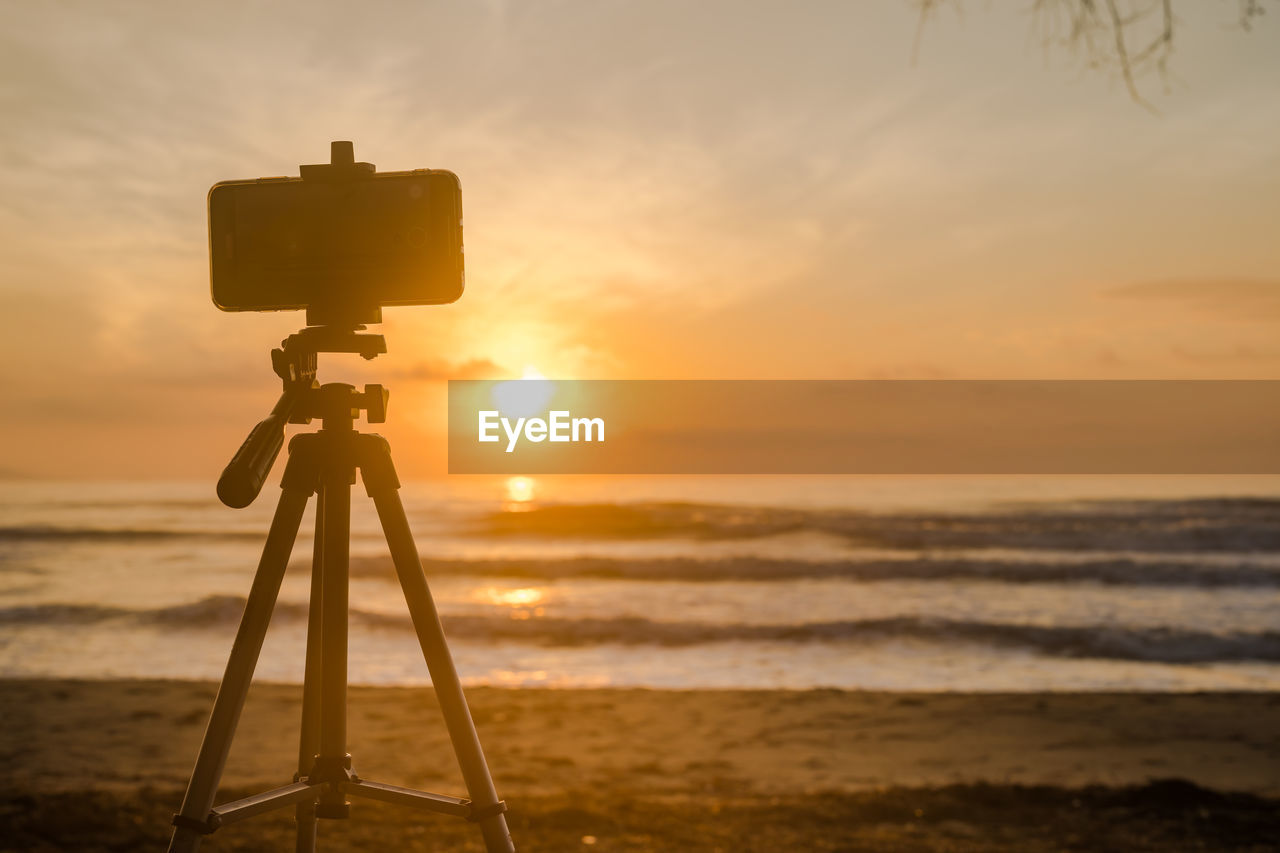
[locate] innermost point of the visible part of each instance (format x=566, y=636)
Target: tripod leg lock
x=302, y=471
x=202, y=827
x=331, y=771
x=373, y=454
x=484, y=813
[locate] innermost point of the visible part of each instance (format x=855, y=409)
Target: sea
x=876, y=583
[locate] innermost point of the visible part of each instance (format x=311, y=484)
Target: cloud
x=1225, y=355
x=440, y=369
x=1235, y=298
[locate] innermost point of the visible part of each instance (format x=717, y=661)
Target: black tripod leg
x=333, y=762
x=298, y=485
x=309, y=742
x=382, y=485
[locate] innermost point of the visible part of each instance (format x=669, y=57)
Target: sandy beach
x=100, y=765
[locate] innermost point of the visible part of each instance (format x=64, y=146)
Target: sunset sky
x=652, y=190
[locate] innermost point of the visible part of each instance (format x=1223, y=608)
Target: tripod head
x=341, y=240
x=302, y=400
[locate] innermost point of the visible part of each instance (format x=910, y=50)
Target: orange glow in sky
x=651, y=191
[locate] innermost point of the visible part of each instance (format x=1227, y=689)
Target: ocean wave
x=1164, y=645
x=214, y=610
x=211, y=611
x=61, y=614
x=48, y=533
x=1109, y=571
x=1203, y=525
x=1155, y=645
x=1217, y=526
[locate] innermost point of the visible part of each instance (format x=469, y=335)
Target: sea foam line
x=1158, y=644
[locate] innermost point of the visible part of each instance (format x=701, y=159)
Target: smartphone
x=389, y=238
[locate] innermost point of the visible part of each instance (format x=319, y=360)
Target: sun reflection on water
x=520, y=603
x=523, y=597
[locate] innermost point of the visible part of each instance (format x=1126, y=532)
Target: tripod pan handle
x=242, y=479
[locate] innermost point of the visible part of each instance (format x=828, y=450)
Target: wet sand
x=91, y=765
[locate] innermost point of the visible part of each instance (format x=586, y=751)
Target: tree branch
x=1122, y=54
x=1105, y=32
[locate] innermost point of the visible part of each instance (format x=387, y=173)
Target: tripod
x=324, y=463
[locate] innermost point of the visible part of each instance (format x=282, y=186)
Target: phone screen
x=391, y=239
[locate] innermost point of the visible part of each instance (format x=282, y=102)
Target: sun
x=520, y=489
